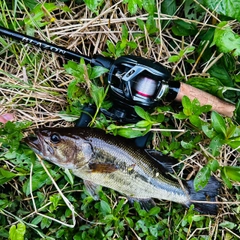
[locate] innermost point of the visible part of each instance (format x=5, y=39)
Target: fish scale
x=132, y=186
x=116, y=163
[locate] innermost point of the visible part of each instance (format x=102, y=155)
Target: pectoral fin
x=92, y=188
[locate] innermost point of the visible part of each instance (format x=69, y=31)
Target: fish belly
x=133, y=186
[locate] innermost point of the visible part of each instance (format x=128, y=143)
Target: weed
x=200, y=46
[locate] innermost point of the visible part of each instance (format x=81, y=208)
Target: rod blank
x=70, y=55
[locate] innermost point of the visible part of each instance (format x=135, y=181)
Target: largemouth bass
x=116, y=163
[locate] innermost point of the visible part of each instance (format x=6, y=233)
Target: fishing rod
x=133, y=81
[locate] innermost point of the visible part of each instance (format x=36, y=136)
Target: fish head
x=59, y=146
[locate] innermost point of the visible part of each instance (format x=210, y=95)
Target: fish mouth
x=33, y=141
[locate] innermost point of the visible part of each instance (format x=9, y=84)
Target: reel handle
x=218, y=105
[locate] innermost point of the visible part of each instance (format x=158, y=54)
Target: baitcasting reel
x=137, y=81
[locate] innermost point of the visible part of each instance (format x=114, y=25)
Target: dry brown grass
x=42, y=86
x=37, y=91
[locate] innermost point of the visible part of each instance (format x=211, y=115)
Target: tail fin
x=207, y=194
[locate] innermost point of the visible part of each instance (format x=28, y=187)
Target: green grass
x=42, y=89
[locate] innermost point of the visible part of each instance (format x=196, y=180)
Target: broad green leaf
x=6, y=176
x=38, y=14
x=105, y=207
x=119, y=207
x=141, y=224
x=234, y=144
x=189, y=49
x=132, y=44
x=193, y=10
x=39, y=179
x=66, y=9
x=228, y=8
x=151, y=25
x=197, y=218
x=182, y=28
x=168, y=7
x=220, y=72
x=218, y=123
x=119, y=49
x=154, y=229
x=60, y=233
x=129, y=221
x=231, y=131
x=129, y=133
x=111, y=46
x=54, y=199
x=187, y=106
x=98, y=94
x=216, y=144
x=94, y=5
x=228, y=224
x=11, y=134
x=206, y=108
x=3, y=232
x=68, y=176
x=141, y=24
x=225, y=178
x=180, y=116
x=159, y=118
x=229, y=62
x=142, y=113
x=196, y=107
x=226, y=40
x=37, y=220
x=75, y=69
x=124, y=32
x=149, y=6
x=213, y=165
x=187, y=145
x=97, y=71
x=3, y=204
x=17, y=233
x=45, y=223
x=174, y=58
x=139, y=3
x=202, y=178
x=30, y=3
x=153, y=211
x=196, y=121
x=132, y=6
x=143, y=124
x=72, y=90
x=232, y=173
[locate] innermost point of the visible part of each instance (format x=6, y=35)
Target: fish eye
x=55, y=138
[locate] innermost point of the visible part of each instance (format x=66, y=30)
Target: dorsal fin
x=166, y=162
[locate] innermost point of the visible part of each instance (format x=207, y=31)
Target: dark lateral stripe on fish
x=102, y=167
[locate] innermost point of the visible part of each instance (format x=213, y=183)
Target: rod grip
x=218, y=105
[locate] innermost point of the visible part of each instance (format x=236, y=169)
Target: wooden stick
x=218, y=105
